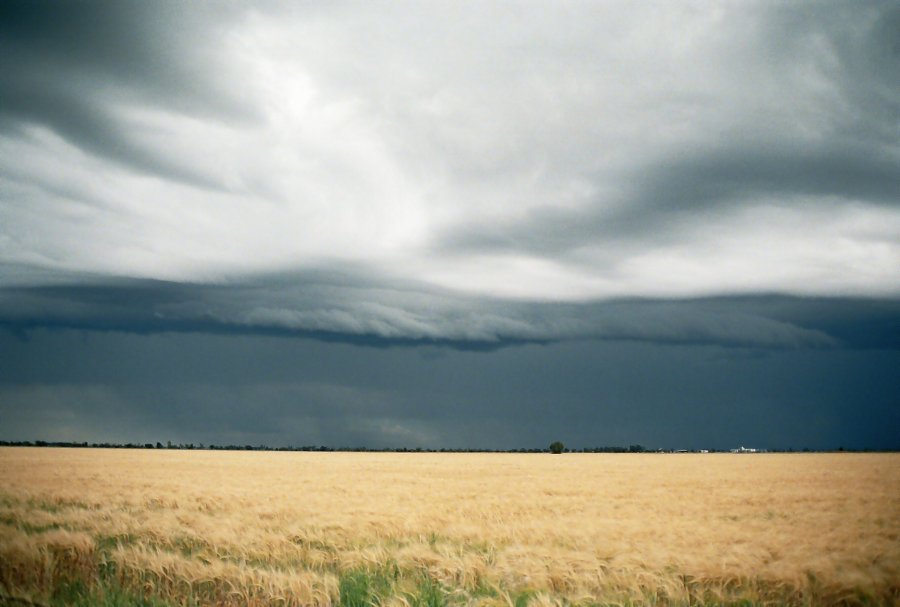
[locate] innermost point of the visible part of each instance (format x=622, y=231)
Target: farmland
x=415, y=530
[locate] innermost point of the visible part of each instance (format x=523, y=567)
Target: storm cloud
x=513, y=182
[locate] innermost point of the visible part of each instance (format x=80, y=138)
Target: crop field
x=160, y=527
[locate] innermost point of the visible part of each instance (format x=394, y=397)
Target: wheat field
x=408, y=530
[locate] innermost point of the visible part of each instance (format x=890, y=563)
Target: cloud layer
x=347, y=307
x=535, y=153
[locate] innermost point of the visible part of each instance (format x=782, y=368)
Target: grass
x=78, y=594
x=428, y=594
x=362, y=588
x=430, y=530
x=106, y=595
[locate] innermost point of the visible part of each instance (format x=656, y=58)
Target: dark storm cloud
x=335, y=307
x=661, y=199
x=71, y=385
x=147, y=49
x=63, y=65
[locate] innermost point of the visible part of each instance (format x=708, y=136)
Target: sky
x=451, y=224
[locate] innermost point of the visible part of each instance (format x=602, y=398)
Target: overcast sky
x=451, y=224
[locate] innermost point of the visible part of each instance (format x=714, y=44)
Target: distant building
x=743, y=449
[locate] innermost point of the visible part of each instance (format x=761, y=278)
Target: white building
x=743, y=449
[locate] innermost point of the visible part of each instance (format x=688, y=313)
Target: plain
x=355, y=529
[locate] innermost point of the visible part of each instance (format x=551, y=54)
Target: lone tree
x=556, y=447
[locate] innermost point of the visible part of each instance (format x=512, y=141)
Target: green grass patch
x=523, y=598
x=8, y=501
x=188, y=545
x=365, y=588
x=428, y=594
x=29, y=528
x=482, y=589
x=357, y=590
x=78, y=594
x=109, y=542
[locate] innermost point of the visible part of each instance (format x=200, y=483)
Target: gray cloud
x=344, y=307
x=72, y=385
x=557, y=153
x=67, y=67
x=662, y=199
x=148, y=52
x=824, y=148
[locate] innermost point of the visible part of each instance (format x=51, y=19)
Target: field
x=156, y=527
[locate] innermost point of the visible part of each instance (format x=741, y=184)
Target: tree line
x=555, y=447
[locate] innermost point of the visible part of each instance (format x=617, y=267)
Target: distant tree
x=557, y=447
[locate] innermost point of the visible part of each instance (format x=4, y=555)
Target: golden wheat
x=264, y=528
